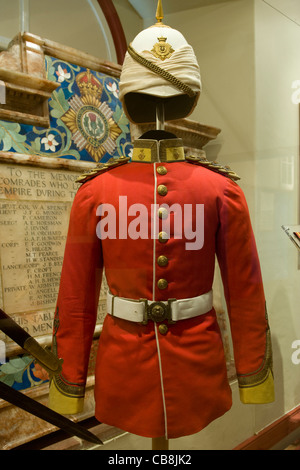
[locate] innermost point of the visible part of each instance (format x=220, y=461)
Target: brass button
x=162, y=284
x=163, y=213
x=163, y=237
x=161, y=170
x=162, y=190
x=163, y=329
x=162, y=261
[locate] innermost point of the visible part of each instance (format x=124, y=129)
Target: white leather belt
x=140, y=311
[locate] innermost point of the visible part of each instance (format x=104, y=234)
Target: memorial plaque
x=35, y=207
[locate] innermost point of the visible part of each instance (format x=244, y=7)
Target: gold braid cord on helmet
x=159, y=71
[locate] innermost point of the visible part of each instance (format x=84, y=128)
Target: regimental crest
x=162, y=49
x=90, y=120
x=141, y=155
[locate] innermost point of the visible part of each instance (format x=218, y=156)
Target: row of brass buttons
x=162, y=260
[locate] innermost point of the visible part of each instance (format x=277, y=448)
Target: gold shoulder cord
x=102, y=168
x=159, y=71
x=214, y=166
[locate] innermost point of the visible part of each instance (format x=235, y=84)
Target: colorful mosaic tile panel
x=87, y=121
x=22, y=372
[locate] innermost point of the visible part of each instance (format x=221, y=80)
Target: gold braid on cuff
x=260, y=376
x=69, y=389
x=163, y=73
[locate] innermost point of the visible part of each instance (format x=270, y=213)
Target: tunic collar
x=151, y=151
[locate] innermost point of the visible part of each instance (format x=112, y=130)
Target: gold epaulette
x=214, y=166
x=101, y=168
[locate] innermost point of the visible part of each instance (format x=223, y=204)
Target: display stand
x=160, y=116
x=160, y=443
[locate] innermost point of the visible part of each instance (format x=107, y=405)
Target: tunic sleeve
x=76, y=309
x=244, y=293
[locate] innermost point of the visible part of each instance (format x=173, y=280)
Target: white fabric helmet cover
x=141, y=88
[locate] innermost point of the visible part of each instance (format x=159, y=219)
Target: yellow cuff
x=63, y=404
x=259, y=394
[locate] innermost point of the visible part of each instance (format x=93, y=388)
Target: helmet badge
x=162, y=49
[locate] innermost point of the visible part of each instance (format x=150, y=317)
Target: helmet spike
x=159, y=12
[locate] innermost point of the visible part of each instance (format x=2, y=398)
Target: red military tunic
x=152, y=380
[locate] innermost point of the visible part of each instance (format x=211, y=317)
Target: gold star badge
x=162, y=49
x=90, y=120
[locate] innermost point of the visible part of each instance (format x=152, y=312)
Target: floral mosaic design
x=87, y=121
x=22, y=372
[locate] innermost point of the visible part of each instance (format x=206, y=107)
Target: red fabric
x=193, y=390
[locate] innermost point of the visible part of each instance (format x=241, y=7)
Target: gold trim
x=214, y=166
x=258, y=394
x=144, y=151
x=101, y=168
x=151, y=151
x=175, y=153
x=64, y=404
x=69, y=389
x=65, y=387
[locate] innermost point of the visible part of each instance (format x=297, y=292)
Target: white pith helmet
x=159, y=67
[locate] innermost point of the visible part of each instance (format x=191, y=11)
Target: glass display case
x=61, y=87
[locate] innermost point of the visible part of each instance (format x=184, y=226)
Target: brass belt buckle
x=157, y=311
